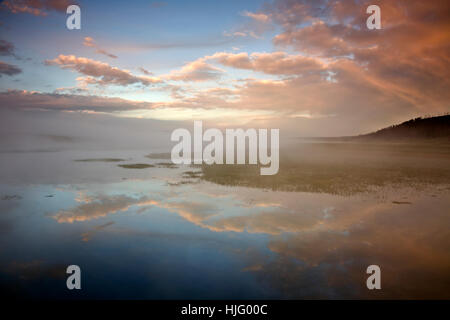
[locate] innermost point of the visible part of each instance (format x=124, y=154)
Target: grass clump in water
x=100, y=160
x=136, y=166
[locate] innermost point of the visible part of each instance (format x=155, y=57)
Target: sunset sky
x=311, y=68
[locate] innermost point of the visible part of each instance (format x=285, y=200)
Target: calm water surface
x=155, y=233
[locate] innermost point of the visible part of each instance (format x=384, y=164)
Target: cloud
x=241, y=33
x=319, y=39
x=36, y=7
x=198, y=70
x=325, y=64
x=6, y=48
x=23, y=99
x=100, y=73
x=104, y=52
x=145, y=71
x=258, y=24
x=9, y=69
x=342, y=68
x=89, y=42
x=416, y=62
x=260, y=17
x=278, y=63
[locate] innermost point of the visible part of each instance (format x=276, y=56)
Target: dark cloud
x=9, y=69
x=6, y=48
x=36, y=7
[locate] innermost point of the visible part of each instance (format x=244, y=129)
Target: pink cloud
x=90, y=42
x=277, y=63
x=260, y=17
x=100, y=73
x=196, y=71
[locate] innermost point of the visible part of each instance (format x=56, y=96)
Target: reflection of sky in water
x=137, y=234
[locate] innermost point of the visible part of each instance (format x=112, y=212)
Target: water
x=155, y=233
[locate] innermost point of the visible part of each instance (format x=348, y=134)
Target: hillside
x=419, y=128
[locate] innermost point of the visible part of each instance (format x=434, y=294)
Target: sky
x=310, y=68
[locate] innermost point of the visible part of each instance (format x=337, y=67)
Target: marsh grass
x=136, y=166
x=401, y=202
x=192, y=174
x=342, y=169
x=11, y=197
x=163, y=156
x=100, y=160
x=183, y=182
x=168, y=165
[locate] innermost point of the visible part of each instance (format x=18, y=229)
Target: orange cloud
x=407, y=59
x=326, y=64
x=271, y=63
x=197, y=70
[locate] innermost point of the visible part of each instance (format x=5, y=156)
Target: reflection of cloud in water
x=194, y=212
x=100, y=206
x=86, y=236
x=323, y=244
x=412, y=249
x=35, y=269
x=295, y=213
x=273, y=222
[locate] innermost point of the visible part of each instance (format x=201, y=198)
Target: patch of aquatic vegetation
x=340, y=180
x=11, y=197
x=100, y=160
x=164, y=156
x=193, y=174
x=182, y=182
x=401, y=202
x=342, y=169
x=136, y=166
x=168, y=165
